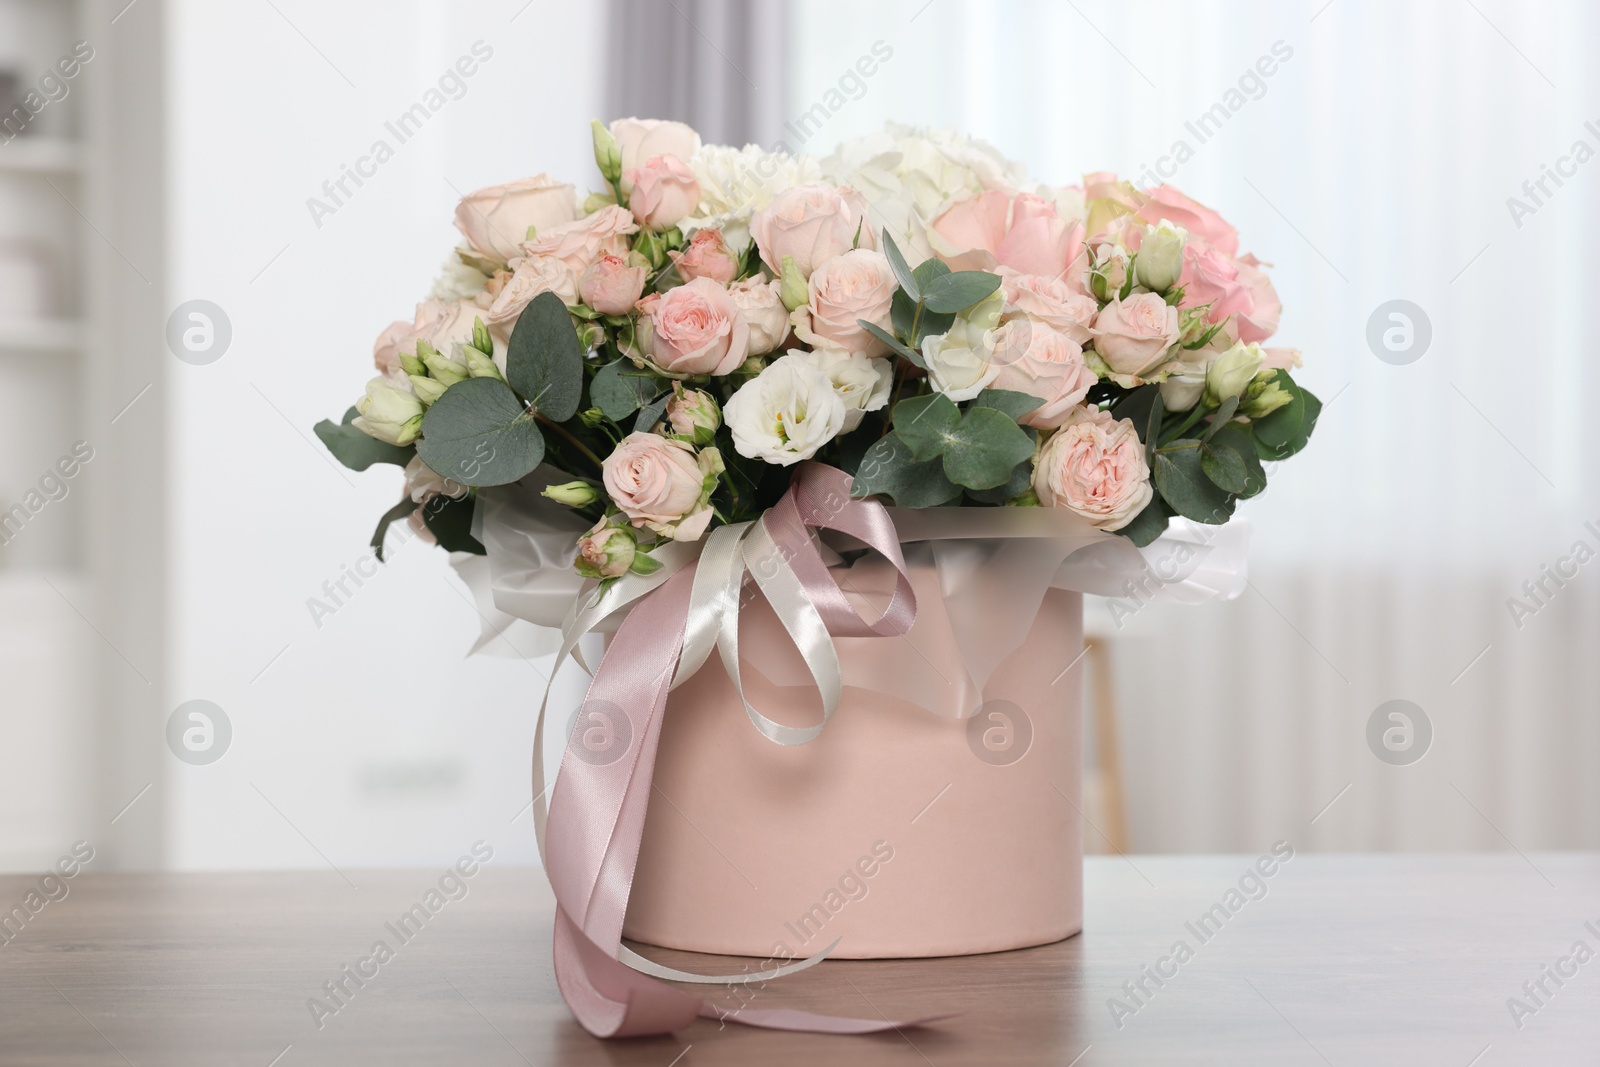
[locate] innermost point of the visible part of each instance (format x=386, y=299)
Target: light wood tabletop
x=1338, y=960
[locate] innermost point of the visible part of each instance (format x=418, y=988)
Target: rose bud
x=664, y=191
x=707, y=256
x=611, y=286
x=606, y=551
x=693, y=415
x=572, y=494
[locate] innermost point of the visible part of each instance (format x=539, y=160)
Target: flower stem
x=579, y=445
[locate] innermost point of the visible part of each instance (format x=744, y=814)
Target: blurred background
x=1431, y=546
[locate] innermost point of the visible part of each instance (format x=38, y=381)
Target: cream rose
x=1094, y=467
x=496, y=220
x=1035, y=359
x=1133, y=335
x=660, y=484
x=578, y=244
x=530, y=276
x=958, y=361
x=811, y=224
x=640, y=139
x=785, y=414
x=856, y=285
x=862, y=383
x=696, y=328
x=1051, y=301
x=763, y=312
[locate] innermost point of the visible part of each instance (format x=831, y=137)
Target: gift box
x=897, y=831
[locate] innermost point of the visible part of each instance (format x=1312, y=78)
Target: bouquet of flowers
x=911, y=310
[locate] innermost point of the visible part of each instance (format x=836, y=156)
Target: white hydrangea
x=737, y=182
x=908, y=174
x=458, y=280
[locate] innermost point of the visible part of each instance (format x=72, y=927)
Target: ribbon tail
x=812, y=1023
x=672, y=974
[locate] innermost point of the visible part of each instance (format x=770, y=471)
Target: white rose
x=458, y=280
x=959, y=363
x=863, y=383
x=784, y=414
x=1160, y=259
x=762, y=310
x=737, y=182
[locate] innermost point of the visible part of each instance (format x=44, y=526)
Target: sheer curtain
x=1373, y=164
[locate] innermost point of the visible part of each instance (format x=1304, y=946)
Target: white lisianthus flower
x=737, y=182
x=389, y=412
x=908, y=174
x=863, y=383
x=785, y=414
x=960, y=362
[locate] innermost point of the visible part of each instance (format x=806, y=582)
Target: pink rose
x=1023, y=232
x=707, y=256
x=1260, y=321
x=696, y=328
x=495, y=220
x=657, y=482
x=640, y=139
x=1051, y=301
x=1094, y=467
x=811, y=224
x=1133, y=335
x=530, y=276
x=1210, y=277
x=386, y=350
x=1165, y=202
x=444, y=323
x=1042, y=362
x=856, y=285
x=580, y=243
x=761, y=307
x=665, y=190
x=606, y=551
x=610, y=286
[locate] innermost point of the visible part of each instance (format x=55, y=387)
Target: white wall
x=373, y=736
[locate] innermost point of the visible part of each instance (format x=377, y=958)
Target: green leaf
x=544, y=361
x=1152, y=429
x=450, y=521
x=1183, y=484
x=902, y=271
x=650, y=414
x=892, y=341
x=1220, y=418
x=1224, y=467
x=1136, y=405
x=390, y=517
x=984, y=449
x=1149, y=524
x=644, y=563
x=959, y=290
x=1284, y=432
x=479, y=434
x=1013, y=403
x=925, y=423
x=928, y=270
x=619, y=389
x=355, y=449
x=888, y=469
x=1236, y=440
x=1020, y=481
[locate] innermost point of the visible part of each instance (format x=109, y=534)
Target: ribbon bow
x=590, y=840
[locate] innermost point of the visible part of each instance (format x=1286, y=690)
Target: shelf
x=40, y=155
x=41, y=335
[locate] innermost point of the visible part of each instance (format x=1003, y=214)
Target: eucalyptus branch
x=579, y=445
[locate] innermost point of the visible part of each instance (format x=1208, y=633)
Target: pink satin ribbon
x=597, y=812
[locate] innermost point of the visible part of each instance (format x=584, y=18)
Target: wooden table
x=1347, y=960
